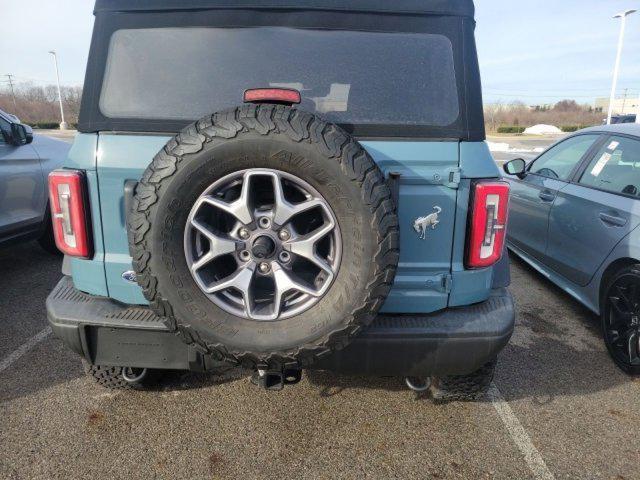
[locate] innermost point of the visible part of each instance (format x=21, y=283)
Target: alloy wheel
x=622, y=321
x=262, y=244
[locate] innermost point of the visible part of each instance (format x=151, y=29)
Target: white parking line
x=518, y=434
x=24, y=348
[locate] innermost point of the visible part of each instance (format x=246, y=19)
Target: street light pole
x=63, y=124
x=623, y=17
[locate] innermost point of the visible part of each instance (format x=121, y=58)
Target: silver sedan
x=25, y=163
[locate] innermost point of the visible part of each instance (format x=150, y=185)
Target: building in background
x=625, y=104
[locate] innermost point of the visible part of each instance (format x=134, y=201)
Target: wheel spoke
x=281, y=280
x=285, y=210
x=285, y=283
x=217, y=245
x=632, y=345
x=239, y=208
x=305, y=246
x=241, y=280
x=622, y=296
x=202, y=261
x=616, y=304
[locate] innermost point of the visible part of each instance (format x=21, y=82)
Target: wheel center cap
x=263, y=247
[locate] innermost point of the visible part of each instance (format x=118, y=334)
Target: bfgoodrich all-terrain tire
x=122, y=378
x=470, y=387
x=47, y=240
x=225, y=160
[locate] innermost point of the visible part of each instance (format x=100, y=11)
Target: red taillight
x=67, y=194
x=274, y=95
x=488, y=223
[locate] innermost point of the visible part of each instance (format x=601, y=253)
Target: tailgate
x=426, y=169
x=429, y=177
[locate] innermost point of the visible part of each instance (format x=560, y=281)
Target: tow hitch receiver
x=276, y=379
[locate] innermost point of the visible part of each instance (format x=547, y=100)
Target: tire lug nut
x=264, y=222
x=284, y=257
x=243, y=233
x=284, y=235
x=245, y=255
x=263, y=267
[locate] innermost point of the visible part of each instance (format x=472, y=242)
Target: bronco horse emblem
x=421, y=224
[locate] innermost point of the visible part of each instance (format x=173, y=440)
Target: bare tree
x=492, y=114
x=567, y=106
x=517, y=113
x=39, y=104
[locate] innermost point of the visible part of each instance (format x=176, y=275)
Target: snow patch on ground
x=506, y=148
x=542, y=129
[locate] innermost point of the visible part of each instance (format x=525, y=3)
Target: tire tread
x=469, y=387
x=298, y=126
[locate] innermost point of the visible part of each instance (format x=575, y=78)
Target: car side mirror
x=21, y=134
x=516, y=167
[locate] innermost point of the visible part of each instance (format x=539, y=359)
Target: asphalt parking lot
x=559, y=408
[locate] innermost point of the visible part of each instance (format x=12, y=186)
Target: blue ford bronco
x=283, y=185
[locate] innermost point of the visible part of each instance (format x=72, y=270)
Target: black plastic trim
x=129, y=192
x=428, y=7
x=501, y=271
x=452, y=341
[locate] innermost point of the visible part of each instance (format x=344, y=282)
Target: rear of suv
x=283, y=186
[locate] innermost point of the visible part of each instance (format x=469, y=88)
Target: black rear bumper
x=452, y=341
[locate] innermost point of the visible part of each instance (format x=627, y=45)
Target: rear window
x=349, y=77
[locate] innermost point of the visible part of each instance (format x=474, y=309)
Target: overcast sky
x=538, y=51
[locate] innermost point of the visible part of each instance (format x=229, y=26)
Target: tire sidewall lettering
x=335, y=182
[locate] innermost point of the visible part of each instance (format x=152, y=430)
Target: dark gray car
x=25, y=163
x=573, y=215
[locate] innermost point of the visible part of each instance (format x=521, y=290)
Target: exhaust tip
x=418, y=384
x=134, y=375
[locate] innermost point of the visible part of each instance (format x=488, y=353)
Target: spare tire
x=264, y=235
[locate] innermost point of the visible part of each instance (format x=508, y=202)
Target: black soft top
x=453, y=19
x=425, y=7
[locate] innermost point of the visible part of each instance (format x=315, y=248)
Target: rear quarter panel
x=627, y=248
x=470, y=286
x=121, y=158
x=52, y=153
x=88, y=275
